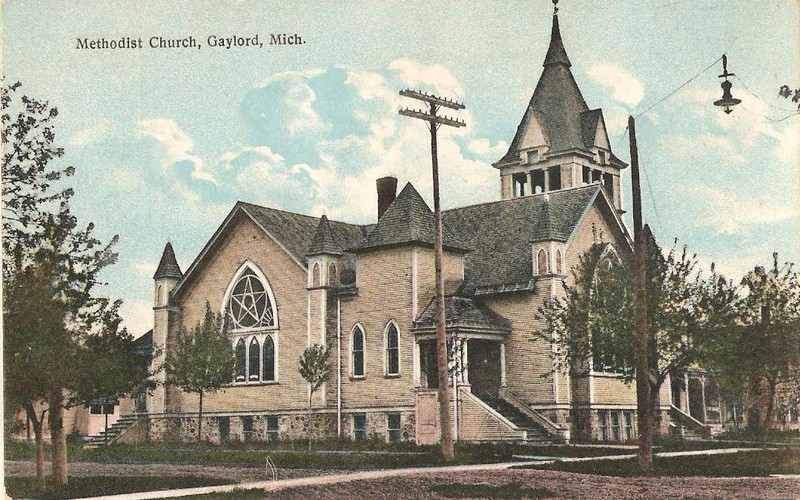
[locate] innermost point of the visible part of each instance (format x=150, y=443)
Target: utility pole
x=644, y=409
x=435, y=121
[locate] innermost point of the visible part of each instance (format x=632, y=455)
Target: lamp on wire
x=728, y=101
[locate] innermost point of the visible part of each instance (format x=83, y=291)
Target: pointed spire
x=323, y=241
x=556, y=53
x=545, y=226
x=168, y=267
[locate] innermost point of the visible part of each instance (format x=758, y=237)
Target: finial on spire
x=555, y=7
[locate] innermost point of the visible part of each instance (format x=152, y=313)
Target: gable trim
x=239, y=207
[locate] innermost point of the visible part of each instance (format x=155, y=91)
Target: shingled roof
x=501, y=233
x=557, y=115
x=463, y=313
x=324, y=241
x=407, y=220
x=168, y=267
x=296, y=232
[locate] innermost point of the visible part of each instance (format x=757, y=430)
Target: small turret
x=166, y=276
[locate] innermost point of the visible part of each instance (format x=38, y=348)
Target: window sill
x=606, y=374
x=252, y=384
x=392, y=375
x=354, y=378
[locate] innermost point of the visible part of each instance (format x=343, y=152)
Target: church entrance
x=484, y=367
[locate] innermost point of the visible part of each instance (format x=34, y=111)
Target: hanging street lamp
x=728, y=101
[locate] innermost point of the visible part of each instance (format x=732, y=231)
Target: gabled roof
x=501, y=233
x=294, y=233
x=407, y=220
x=463, y=313
x=168, y=267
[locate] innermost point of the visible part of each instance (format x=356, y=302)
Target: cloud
x=732, y=214
x=137, y=316
x=414, y=75
x=177, y=146
x=484, y=149
x=626, y=88
x=94, y=132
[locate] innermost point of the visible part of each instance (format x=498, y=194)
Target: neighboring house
x=91, y=420
x=284, y=281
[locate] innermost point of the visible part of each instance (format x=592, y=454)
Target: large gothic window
x=250, y=305
x=252, y=322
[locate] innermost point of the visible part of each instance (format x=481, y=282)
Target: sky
x=165, y=141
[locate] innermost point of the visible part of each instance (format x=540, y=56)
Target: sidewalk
x=269, y=486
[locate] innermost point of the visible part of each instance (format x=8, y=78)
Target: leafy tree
x=110, y=367
x=51, y=271
x=202, y=361
x=594, y=320
x=760, y=349
x=316, y=370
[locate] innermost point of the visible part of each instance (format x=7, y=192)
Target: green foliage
x=110, y=366
x=314, y=366
x=51, y=271
x=203, y=360
x=762, y=342
x=595, y=317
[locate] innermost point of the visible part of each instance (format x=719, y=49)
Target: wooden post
x=445, y=416
x=643, y=400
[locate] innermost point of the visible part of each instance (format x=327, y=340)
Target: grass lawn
x=84, y=486
x=742, y=464
x=333, y=455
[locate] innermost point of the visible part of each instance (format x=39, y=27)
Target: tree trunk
x=308, y=423
x=772, y=382
x=200, y=419
x=58, y=437
x=39, y=447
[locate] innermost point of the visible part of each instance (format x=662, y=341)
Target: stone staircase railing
x=690, y=427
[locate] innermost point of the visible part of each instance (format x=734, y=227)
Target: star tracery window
x=250, y=305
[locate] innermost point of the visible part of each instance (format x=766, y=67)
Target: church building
x=285, y=281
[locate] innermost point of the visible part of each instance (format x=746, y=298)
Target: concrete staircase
x=533, y=430
x=115, y=430
x=687, y=426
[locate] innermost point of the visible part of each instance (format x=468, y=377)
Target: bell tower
x=560, y=143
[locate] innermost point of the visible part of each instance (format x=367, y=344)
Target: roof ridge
x=332, y=221
x=527, y=196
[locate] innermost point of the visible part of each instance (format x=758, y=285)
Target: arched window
x=241, y=361
x=392, y=350
x=333, y=275
x=269, y=359
x=541, y=262
x=160, y=296
x=315, y=275
x=357, y=352
x=250, y=303
x=253, y=365
x=559, y=265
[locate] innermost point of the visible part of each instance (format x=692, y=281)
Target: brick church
x=284, y=281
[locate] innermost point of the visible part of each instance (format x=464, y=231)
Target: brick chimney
x=387, y=191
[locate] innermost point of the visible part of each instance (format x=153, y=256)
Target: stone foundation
x=297, y=426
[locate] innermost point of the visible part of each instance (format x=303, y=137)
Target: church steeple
x=556, y=53
x=560, y=143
